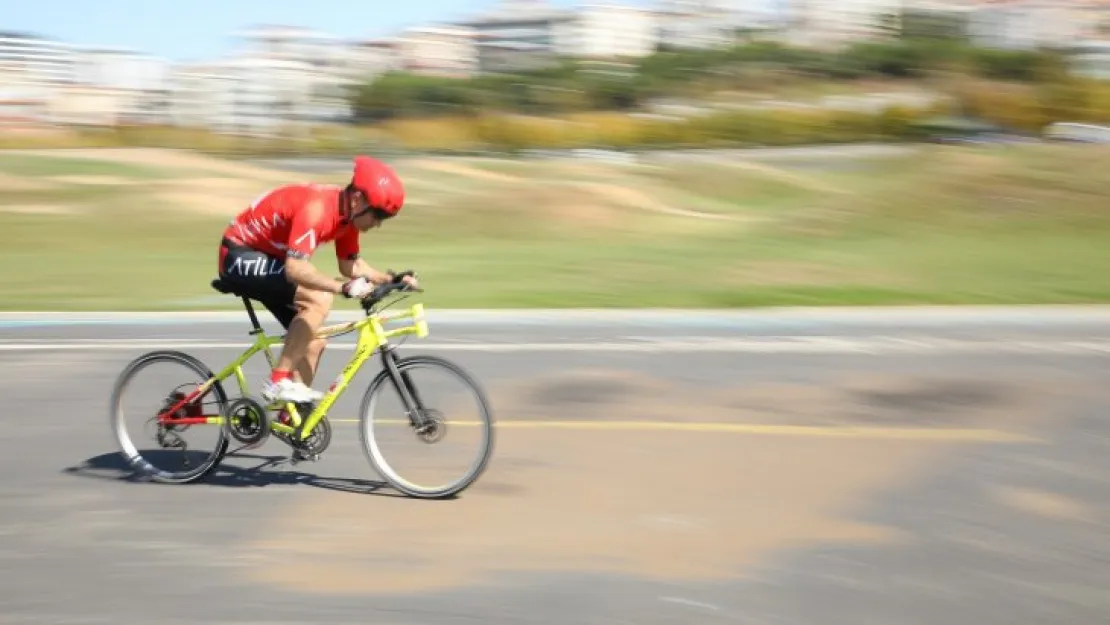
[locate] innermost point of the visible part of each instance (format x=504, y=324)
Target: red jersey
x=281, y=223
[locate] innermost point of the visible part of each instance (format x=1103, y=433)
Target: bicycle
x=309, y=432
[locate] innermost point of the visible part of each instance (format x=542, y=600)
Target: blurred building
x=364, y=60
x=521, y=34
x=938, y=18
x=198, y=95
x=21, y=105
x=698, y=23
x=1090, y=59
x=306, y=67
x=1026, y=24
x=1089, y=54
x=1094, y=18
x=135, y=85
x=612, y=31
x=266, y=94
x=90, y=105
x=44, y=81
x=31, y=60
x=251, y=95
x=836, y=23
x=290, y=43
x=120, y=69
x=445, y=51
x=279, y=78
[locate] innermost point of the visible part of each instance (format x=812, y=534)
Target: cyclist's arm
x=358, y=268
x=351, y=264
x=302, y=272
x=302, y=243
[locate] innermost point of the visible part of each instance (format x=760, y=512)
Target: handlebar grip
x=382, y=290
x=398, y=276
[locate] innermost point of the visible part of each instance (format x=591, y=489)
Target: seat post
x=254, y=319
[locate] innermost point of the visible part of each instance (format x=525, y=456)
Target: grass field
x=137, y=229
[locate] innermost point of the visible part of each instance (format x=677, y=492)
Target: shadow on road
x=112, y=466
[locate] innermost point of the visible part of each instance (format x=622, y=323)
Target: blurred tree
x=889, y=24
x=934, y=25
x=932, y=47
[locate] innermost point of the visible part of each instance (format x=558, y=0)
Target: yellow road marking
x=939, y=434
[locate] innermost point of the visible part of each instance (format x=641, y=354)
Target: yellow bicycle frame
x=371, y=336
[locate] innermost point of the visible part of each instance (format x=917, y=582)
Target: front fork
x=414, y=407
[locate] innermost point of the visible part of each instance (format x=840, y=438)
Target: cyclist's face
x=360, y=217
x=366, y=221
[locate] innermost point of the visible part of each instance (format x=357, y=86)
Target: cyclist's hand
x=408, y=278
x=357, y=288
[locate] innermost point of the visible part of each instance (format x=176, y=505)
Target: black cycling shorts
x=260, y=277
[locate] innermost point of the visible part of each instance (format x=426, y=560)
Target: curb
x=875, y=316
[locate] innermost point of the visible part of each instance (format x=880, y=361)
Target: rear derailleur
x=167, y=436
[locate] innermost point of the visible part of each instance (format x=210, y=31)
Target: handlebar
x=381, y=291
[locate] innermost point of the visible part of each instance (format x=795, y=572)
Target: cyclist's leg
x=302, y=350
x=285, y=311
x=262, y=278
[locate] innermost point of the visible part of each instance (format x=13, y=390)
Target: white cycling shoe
x=289, y=391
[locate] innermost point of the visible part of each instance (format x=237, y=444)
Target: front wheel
x=419, y=420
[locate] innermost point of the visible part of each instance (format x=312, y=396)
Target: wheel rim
x=373, y=443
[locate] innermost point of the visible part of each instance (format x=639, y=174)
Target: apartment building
x=364, y=60
x=444, y=51
x=79, y=85
x=1027, y=24
x=320, y=50
x=20, y=104
x=249, y=95
x=120, y=69
x=521, y=34
x=611, y=31
x=31, y=60
x=139, y=83
x=698, y=23
x=836, y=23
x=198, y=95
x=289, y=64
x=90, y=105
x=1094, y=18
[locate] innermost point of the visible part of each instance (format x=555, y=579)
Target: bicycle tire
x=377, y=459
x=128, y=449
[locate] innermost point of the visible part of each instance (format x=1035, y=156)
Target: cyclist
x=265, y=254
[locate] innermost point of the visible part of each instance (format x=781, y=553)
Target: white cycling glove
x=358, y=288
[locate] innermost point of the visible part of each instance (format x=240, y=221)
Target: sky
x=199, y=30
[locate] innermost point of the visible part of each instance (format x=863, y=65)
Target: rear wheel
x=167, y=457
x=422, y=422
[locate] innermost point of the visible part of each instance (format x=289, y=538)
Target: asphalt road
x=711, y=471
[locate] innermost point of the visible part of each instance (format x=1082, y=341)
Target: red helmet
x=385, y=194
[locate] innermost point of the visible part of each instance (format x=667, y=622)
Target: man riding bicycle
x=265, y=255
